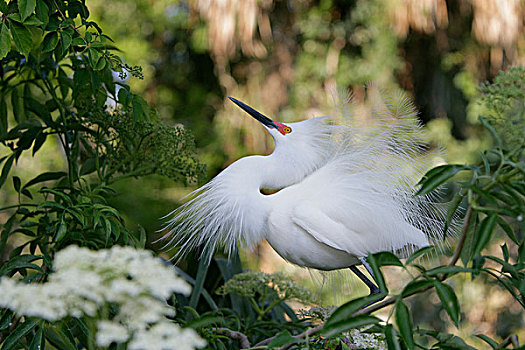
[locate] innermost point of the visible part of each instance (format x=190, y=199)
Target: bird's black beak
x=259, y=116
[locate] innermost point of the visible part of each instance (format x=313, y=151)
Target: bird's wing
x=359, y=236
x=320, y=226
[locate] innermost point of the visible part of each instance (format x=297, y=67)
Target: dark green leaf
x=3, y=6
x=65, y=38
x=123, y=97
x=42, y=12
x=347, y=310
x=16, y=183
x=418, y=253
x=37, y=341
x=199, y=282
x=50, y=42
x=449, y=270
x=57, y=337
x=137, y=108
x=18, y=262
x=438, y=176
x=487, y=340
x=346, y=324
x=18, y=106
x=45, y=177
x=449, y=300
x=204, y=322
x=26, y=193
x=404, y=323
x=39, y=141
x=61, y=232
x=283, y=338
x=23, y=329
x=21, y=37
x=391, y=338
x=378, y=275
x=452, y=210
x=26, y=8
x=387, y=259
x=484, y=233
x=505, y=252
x=5, y=320
x=5, y=41
x=3, y=117
x=7, y=167
x=414, y=286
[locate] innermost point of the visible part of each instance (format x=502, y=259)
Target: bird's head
x=273, y=127
x=300, y=147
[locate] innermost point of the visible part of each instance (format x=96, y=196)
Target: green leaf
x=23, y=329
x=449, y=300
x=347, y=310
x=438, y=176
x=18, y=262
x=42, y=12
x=283, y=338
x=50, y=42
x=378, y=275
x=37, y=341
x=346, y=324
x=46, y=177
x=493, y=344
x=391, y=338
x=414, y=286
x=21, y=37
x=5, y=41
x=18, y=106
x=39, y=141
x=137, y=108
x=57, y=337
x=387, y=259
x=123, y=97
x=484, y=233
x=3, y=6
x=449, y=270
x=404, y=323
x=418, y=253
x=66, y=38
x=3, y=117
x=16, y=183
x=199, y=282
x=61, y=232
x=26, y=8
x=204, y=322
x=7, y=167
x=452, y=210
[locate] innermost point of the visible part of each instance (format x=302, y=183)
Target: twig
x=512, y=339
x=242, y=338
x=462, y=239
x=306, y=333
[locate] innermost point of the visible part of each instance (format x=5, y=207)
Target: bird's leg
x=374, y=289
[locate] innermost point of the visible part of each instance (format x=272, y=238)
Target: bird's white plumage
x=347, y=190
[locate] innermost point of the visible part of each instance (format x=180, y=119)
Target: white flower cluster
x=84, y=281
x=362, y=340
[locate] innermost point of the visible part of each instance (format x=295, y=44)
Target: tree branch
x=242, y=338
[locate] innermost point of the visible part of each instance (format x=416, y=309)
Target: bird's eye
x=287, y=129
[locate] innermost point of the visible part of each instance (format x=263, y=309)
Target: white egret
x=344, y=192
